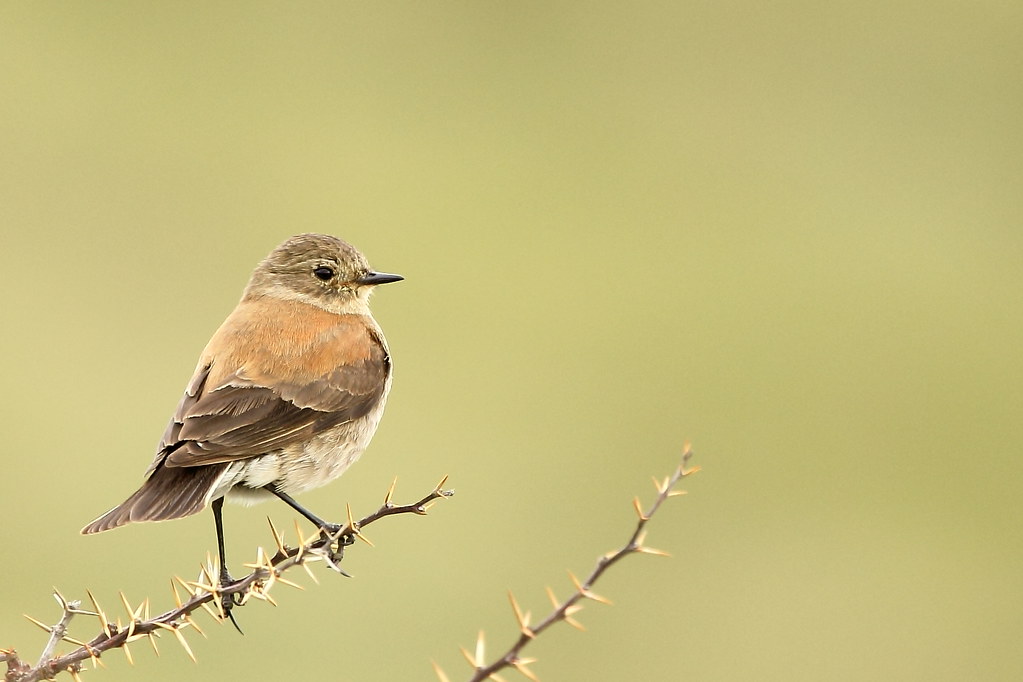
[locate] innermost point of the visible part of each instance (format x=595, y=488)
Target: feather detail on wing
x=335, y=372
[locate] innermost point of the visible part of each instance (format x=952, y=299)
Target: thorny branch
x=566, y=610
x=206, y=593
x=203, y=593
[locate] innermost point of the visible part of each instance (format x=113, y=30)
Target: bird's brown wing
x=253, y=411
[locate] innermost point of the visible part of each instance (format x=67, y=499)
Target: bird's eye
x=324, y=273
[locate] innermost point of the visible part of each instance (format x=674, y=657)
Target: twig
x=205, y=593
x=566, y=610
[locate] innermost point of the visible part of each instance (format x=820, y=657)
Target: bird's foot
x=331, y=532
x=335, y=542
x=229, y=600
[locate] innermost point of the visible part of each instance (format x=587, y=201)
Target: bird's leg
x=229, y=601
x=328, y=529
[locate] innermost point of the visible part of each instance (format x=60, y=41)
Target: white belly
x=298, y=468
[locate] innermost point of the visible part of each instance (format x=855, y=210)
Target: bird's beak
x=373, y=278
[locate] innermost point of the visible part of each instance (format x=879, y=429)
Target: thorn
x=97, y=662
x=277, y=536
x=301, y=546
x=191, y=621
x=520, y=666
x=675, y=493
x=74, y=674
x=199, y=588
x=262, y=595
x=93, y=656
x=574, y=623
x=209, y=609
x=523, y=620
x=152, y=641
x=469, y=658
x=441, y=677
x=439, y=488
x=72, y=640
x=355, y=528
x=99, y=613
x=310, y=572
x=481, y=656
x=76, y=608
x=41, y=624
x=351, y=521
x=223, y=613
x=638, y=506
x=303, y=542
x=262, y=563
x=184, y=644
x=60, y=600
x=134, y=614
x=390, y=492
x=554, y=600
x=587, y=592
x=124, y=600
x=573, y=609
x=287, y=582
x=127, y=653
x=205, y=570
x=174, y=590
x=650, y=550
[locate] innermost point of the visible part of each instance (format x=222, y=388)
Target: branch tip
x=566, y=610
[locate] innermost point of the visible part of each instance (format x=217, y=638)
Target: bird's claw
x=229, y=600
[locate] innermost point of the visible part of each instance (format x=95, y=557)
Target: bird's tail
x=169, y=493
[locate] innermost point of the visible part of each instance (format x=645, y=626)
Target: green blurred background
x=790, y=233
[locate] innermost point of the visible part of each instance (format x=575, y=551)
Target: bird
x=285, y=397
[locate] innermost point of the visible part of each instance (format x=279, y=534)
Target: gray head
x=319, y=269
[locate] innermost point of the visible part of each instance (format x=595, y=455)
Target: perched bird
x=286, y=395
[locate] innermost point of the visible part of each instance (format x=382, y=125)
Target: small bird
x=286, y=395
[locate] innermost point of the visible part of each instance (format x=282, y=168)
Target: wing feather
x=265, y=404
